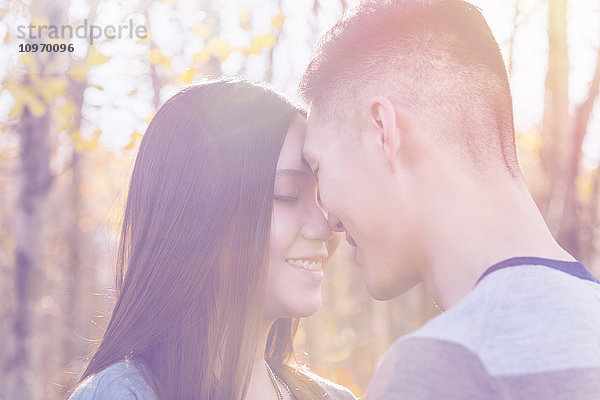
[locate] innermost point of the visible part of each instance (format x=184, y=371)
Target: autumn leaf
x=201, y=57
x=39, y=20
x=149, y=118
x=135, y=136
x=81, y=144
x=244, y=19
x=158, y=58
x=201, y=30
x=30, y=62
x=278, y=21
x=585, y=185
x=25, y=96
x=78, y=71
x=187, y=75
x=53, y=87
x=218, y=48
x=260, y=42
x=64, y=114
x=16, y=111
x=95, y=58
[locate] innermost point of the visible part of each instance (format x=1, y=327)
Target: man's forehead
x=315, y=134
x=317, y=127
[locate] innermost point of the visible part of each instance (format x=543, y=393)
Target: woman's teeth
x=313, y=265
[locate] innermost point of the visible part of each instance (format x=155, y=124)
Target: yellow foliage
x=30, y=62
x=16, y=111
x=585, y=185
x=39, y=20
x=278, y=21
x=187, y=75
x=201, y=30
x=201, y=57
x=146, y=40
x=156, y=58
x=19, y=94
x=95, y=57
x=36, y=106
x=218, y=48
x=64, y=113
x=53, y=87
x=530, y=141
x=25, y=96
x=244, y=18
x=260, y=42
x=147, y=120
x=81, y=144
x=133, y=142
x=78, y=71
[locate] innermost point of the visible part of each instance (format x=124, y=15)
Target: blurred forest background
x=70, y=125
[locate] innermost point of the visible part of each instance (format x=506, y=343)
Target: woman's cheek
x=284, y=224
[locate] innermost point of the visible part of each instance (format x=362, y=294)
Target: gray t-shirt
x=530, y=329
x=126, y=380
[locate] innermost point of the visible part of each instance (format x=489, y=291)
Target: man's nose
x=334, y=223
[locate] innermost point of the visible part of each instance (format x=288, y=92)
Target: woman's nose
x=316, y=226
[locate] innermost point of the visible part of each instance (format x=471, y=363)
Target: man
x=410, y=132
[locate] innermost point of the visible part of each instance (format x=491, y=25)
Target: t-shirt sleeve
x=428, y=369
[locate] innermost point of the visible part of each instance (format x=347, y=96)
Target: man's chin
x=384, y=290
x=381, y=294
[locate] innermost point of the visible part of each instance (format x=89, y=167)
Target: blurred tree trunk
x=34, y=181
x=562, y=137
x=556, y=143
x=25, y=370
x=593, y=213
x=72, y=320
x=511, y=44
x=569, y=228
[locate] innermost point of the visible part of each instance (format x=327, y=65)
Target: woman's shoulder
x=124, y=380
x=334, y=390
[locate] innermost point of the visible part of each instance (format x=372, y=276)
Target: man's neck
x=487, y=227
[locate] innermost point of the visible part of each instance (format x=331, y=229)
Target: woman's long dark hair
x=192, y=259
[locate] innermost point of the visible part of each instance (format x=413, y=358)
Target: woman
x=222, y=250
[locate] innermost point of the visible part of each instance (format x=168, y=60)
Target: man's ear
x=383, y=118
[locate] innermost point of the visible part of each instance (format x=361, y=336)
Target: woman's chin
x=304, y=309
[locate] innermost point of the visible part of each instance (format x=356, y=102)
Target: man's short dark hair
x=437, y=59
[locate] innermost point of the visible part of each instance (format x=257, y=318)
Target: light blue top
x=125, y=381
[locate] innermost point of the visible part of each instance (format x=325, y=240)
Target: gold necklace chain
x=436, y=306
x=275, y=379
